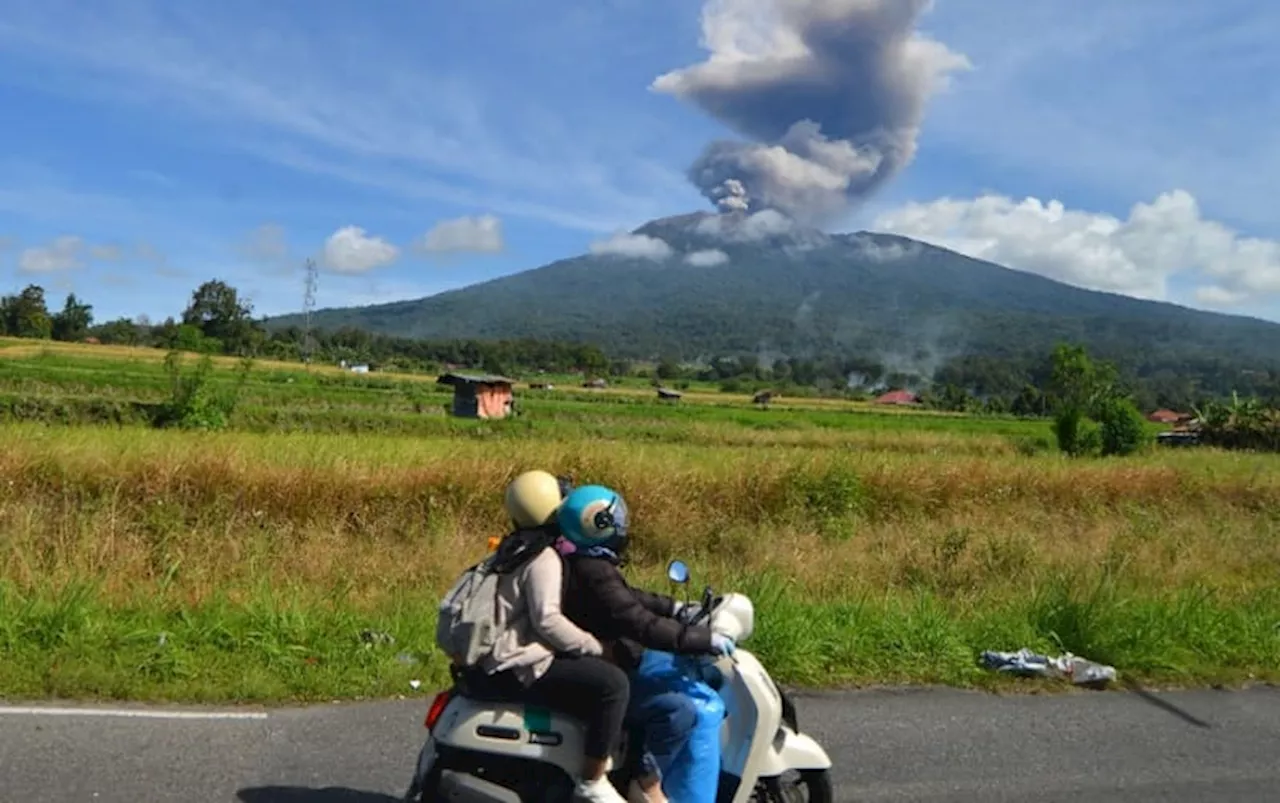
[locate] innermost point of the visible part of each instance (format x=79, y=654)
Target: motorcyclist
x=541, y=656
x=593, y=524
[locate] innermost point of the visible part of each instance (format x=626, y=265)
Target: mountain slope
x=802, y=292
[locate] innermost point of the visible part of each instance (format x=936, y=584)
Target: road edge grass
x=292, y=647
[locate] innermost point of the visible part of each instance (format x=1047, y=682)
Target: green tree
x=26, y=315
x=1092, y=414
x=1121, y=428
x=1029, y=402
x=952, y=398
x=217, y=310
x=1076, y=382
x=121, y=331
x=74, y=321
x=668, y=369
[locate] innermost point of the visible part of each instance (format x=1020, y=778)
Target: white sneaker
x=598, y=791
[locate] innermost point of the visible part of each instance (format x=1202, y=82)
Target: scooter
x=501, y=751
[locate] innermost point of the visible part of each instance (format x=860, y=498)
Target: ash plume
x=831, y=94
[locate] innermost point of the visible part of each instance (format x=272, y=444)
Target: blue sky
x=146, y=145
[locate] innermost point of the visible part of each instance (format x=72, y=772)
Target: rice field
x=270, y=561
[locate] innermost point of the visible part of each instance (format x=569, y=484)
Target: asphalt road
x=922, y=745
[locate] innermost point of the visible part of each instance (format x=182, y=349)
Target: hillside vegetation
x=867, y=302
x=299, y=553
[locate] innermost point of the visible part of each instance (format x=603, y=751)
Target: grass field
x=269, y=562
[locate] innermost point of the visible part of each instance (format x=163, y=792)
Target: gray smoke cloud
x=832, y=94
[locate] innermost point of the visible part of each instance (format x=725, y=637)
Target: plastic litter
x=1025, y=663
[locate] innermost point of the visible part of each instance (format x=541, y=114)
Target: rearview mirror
x=678, y=572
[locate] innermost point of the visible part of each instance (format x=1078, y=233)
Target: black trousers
x=588, y=688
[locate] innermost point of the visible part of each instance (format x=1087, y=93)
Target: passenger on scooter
x=593, y=527
x=541, y=656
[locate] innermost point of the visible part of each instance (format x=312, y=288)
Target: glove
x=721, y=645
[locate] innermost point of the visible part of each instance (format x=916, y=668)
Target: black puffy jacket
x=598, y=599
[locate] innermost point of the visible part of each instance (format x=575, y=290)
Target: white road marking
x=134, y=713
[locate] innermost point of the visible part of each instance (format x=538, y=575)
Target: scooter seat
x=464, y=685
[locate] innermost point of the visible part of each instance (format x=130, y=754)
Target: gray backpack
x=467, y=627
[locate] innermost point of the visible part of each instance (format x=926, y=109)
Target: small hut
x=595, y=384
x=903, y=398
x=480, y=395
x=1163, y=416
x=763, y=398
x=667, y=394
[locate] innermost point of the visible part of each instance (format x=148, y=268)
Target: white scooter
x=494, y=751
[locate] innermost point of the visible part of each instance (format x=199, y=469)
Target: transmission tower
x=311, y=281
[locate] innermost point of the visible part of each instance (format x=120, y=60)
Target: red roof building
x=898, y=397
x=1167, y=417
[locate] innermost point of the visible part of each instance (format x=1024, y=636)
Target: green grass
x=879, y=546
x=276, y=647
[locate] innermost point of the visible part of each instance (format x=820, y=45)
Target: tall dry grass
x=158, y=524
x=123, y=506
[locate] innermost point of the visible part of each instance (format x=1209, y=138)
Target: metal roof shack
x=480, y=395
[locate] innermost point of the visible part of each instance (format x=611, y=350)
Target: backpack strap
x=518, y=548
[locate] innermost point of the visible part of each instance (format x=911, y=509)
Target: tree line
x=218, y=320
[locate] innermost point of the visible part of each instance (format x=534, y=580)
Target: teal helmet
x=594, y=518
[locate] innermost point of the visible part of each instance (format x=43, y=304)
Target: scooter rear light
x=436, y=709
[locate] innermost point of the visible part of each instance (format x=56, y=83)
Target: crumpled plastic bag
x=1025, y=663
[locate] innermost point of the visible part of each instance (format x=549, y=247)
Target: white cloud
x=708, y=258
x=1136, y=256
x=636, y=246
x=1214, y=296
x=351, y=250
x=481, y=234
x=884, y=252
x=106, y=252
x=757, y=226
x=64, y=253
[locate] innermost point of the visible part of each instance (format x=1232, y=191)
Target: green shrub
x=1122, y=429
x=195, y=400
x=1076, y=434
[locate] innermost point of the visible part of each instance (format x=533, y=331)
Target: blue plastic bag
x=695, y=774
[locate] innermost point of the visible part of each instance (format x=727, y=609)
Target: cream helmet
x=533, y=499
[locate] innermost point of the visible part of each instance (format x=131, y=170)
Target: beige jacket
x=532, y=627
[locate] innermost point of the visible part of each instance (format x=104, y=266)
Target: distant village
x=491, y=396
